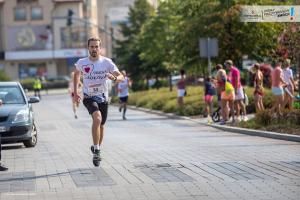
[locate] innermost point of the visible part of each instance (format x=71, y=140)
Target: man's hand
x=111, y=76
x=77, y=98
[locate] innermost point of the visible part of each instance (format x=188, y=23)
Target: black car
x=16, y=115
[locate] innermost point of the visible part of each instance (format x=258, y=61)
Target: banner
x=270, y=13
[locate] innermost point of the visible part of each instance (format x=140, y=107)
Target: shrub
x=263, y=118
x=4, y=76
x=27, y=83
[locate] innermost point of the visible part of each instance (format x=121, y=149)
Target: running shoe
x=96, y=158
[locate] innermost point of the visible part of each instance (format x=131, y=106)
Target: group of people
x=231, y=95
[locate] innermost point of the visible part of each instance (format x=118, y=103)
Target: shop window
x=28, y=70
x=20, y=14
x=36, y=13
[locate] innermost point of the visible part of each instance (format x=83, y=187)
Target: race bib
x=95, y=90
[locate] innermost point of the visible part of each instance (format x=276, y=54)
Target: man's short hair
x=287, y=62
x=256, y=66
x=228, y=62
x=93, y=39
x=219, y=66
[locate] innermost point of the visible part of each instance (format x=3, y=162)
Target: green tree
x=156, y=41
x=127, y=49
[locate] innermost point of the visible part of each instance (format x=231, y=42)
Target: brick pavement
x=146, y=157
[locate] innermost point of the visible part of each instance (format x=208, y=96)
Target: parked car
x=17, y=122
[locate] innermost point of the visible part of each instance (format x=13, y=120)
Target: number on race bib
x=96, y=90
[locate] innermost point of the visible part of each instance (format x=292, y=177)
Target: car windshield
x=11, y=95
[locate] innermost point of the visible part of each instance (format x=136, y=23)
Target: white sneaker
x=238, y=119
x=245, y=118
x=209, y=120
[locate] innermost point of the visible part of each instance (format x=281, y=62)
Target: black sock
x=124, y=111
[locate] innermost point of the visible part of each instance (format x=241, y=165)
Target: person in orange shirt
x=277, y=88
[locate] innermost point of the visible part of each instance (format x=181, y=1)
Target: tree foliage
x=157, y=43
x=127, y=49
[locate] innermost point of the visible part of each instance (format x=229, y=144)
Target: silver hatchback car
x=16, y=115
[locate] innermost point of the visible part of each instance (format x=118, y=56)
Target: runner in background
x=75, y=104
x=123, y=93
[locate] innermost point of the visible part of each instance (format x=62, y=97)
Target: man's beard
x=94, y=54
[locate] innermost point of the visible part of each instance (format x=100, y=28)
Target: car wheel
x=31, y=142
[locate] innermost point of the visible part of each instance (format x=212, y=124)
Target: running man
x=123, y=93
x=95, y=70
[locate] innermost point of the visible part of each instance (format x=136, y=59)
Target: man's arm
x=115, y=76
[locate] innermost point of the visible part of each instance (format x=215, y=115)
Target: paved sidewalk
x=147, y=157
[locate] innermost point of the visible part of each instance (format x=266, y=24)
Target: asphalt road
x=147, y=156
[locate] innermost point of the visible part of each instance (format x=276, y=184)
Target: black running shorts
x=92, y=106
x=123, y=99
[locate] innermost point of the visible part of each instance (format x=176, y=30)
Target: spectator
x=227, y=99
x=258, y=88
x=181, y=88
x=209, y=91
x=235, y=80
x=277, y=88
x=290, y=87
x=220, y=81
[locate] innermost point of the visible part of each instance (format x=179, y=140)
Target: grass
x=166, y=101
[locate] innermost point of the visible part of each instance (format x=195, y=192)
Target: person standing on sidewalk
x=96, y=70
x=2, y=167
x=181, y=92
x=277, y=88
x=235, y=79
x=289, y=79
x=123, y=93
x=258, y=88
x=209, y=92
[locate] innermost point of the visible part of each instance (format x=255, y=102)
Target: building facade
x=44, y=37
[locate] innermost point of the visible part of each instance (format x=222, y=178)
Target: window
x=20, y=14
x=36, y=13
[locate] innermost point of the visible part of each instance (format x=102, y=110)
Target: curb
x=252, y=132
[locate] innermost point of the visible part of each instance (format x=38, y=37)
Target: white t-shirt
x=94, y=76
x=123, y=86
x=287, y=75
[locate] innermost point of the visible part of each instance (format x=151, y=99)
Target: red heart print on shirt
x=88, y=68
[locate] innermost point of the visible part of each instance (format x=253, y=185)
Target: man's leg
x=124, y=110
x=101, y=134
x=97, y=118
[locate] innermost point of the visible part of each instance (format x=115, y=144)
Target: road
x=146, y=157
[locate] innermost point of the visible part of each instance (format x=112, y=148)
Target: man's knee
x=97, y=119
